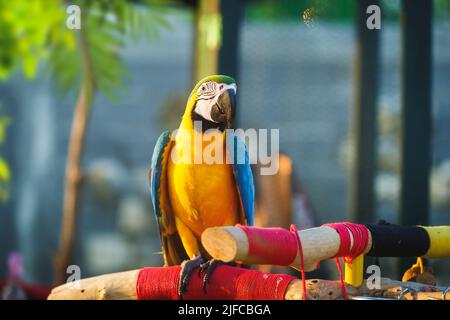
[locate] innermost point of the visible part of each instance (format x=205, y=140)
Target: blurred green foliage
x=273, y=10
x=4, y=122
x=334, y=10
x=36, y=30
x=5, y=179
x=107, y=25
x=32, y=31
x=5, y=172
x=26, y=27
x=441, y=9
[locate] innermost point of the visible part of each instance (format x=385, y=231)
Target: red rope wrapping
x=275, y=246
x=346, y=231
x=279, y=246
x=348, y=249
x=226, y=283
x=282, y=250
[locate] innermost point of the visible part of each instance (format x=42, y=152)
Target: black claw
x=186, y=270
x=208, y=268
x=200, y=269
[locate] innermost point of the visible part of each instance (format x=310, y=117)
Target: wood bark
x=73, y=174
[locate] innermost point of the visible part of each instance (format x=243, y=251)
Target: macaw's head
x=213, y=102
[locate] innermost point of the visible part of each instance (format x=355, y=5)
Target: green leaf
x=5, y=174
x=4, y=122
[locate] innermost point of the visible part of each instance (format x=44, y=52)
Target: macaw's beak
x=224, y=109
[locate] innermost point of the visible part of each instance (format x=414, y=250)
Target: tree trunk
x=73, y=177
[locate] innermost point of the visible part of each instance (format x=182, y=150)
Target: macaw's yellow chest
x=202, y=195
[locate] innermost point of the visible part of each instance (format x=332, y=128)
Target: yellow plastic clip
x=354, y=271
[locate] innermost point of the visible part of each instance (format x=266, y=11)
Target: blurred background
x=364, y=118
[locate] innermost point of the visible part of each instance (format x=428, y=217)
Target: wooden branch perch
x=224, y=285
x=321, y=243
x=232, y=244
x=231, y=283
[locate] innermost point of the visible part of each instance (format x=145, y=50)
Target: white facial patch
x=208, y=94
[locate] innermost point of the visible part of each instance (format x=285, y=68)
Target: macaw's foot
x=186, y=270
x=208, y=268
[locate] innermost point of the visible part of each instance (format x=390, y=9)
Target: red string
x=294, y=231
x=346, y=231
x=226, y=283
x=341, y=279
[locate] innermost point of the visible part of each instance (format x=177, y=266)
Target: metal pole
x=361, y=204
x=416, y=113
x=232, y=14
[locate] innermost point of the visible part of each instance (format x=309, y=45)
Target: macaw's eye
x=221, y=87
x=203, y=88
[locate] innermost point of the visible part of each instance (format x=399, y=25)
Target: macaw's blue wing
x=158, y=171
x=237, y=153
x=173, y=250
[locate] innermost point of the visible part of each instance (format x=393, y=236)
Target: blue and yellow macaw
x=189, y=196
